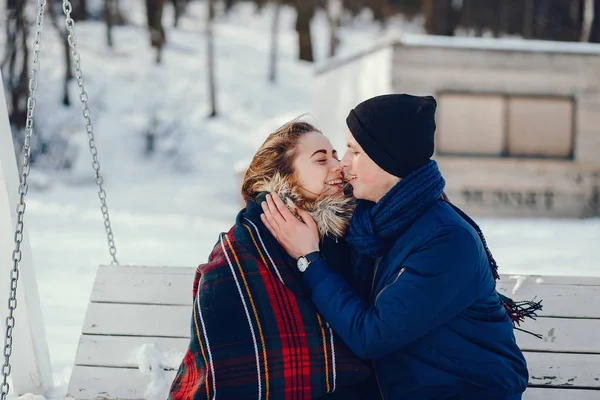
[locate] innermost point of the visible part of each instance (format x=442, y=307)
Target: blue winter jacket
x=434, y=325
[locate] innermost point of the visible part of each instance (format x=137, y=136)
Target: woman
x=255, y=333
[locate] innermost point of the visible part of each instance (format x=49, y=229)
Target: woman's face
x=317, y=169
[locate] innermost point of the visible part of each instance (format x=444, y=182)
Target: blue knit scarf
x=375, y=226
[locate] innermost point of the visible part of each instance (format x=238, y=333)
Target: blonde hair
x=275, y=156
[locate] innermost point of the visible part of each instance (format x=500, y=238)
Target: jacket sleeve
x=432, y=286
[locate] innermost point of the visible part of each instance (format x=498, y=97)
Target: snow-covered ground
x=167, y=209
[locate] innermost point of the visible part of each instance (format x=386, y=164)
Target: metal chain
x=70, y=24
x=23, y=187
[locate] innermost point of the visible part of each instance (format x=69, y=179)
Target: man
x=422, y=303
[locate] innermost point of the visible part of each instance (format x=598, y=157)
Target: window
x=471, y=124
x=504, y=125
x=540, y=127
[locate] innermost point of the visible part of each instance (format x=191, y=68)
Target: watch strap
x=314, y=256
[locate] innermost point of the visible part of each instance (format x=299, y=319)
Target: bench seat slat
x=560, y=394
x=127, y=351
x=114, y=383
x=145, y=285
x=173, y=286
x=564, y=370
x=552, y=369
x=138, y=320
x=118, y=383
x=560, y=334
x=552, y=280
x=558, y=300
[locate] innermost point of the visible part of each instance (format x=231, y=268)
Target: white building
x=518, y=122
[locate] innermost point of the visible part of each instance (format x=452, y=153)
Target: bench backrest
x=140, y=316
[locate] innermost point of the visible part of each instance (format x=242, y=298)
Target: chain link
x=83, y=97
x=23, y=188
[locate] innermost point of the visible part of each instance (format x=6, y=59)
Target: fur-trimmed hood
x=332, y=214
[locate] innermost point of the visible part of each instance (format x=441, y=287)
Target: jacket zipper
x=377, y=261
x=390, y=284
x=375, y=302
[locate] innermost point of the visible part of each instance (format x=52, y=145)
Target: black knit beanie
x=395, y=130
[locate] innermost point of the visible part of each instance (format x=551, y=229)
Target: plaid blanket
x=254, y=331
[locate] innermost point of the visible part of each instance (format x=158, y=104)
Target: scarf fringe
x=516, y=310
x=519, y=310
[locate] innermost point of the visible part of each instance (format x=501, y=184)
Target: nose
x=336, y=166
x=346, y=160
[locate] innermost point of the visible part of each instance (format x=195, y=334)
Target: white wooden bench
x=148, y=309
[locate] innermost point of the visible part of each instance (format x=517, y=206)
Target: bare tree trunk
x=53, y=7
x=440, y=17
x=561, y=20
x=274, y=37
x=79, y=10
x=229, y=5
x=305, y=10
x=354, y=6
x=68, y=71
x=21, y=93
x=577, y=21
x=154, y=11
x=178, y=10
x=409, y=8
x=380, y=11
x=260, y=4
x=588, y=19
x=211, y=58
x=109, y=15
x=504, y=20
x=595, y=29
x=17, y=55
x=118, y=17
x=10, y=32
x=334, y=13
x=528, y=16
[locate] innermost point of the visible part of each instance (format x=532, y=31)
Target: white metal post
x=30, y=359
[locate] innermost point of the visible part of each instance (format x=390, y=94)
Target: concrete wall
x=341, y=87
x=522, y=188
x=432, y=70
x=515, y=187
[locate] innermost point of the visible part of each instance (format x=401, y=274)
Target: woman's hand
x=298, y=238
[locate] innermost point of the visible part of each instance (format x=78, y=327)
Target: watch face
x=302, y=264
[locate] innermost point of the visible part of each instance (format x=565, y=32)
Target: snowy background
x=167, y=208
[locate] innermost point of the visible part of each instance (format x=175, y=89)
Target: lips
x=336, y=185
x=349, y=178
x=335, y=182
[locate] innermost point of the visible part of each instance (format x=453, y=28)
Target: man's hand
x=298, y=238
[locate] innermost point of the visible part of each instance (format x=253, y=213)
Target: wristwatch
x=304, y=261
